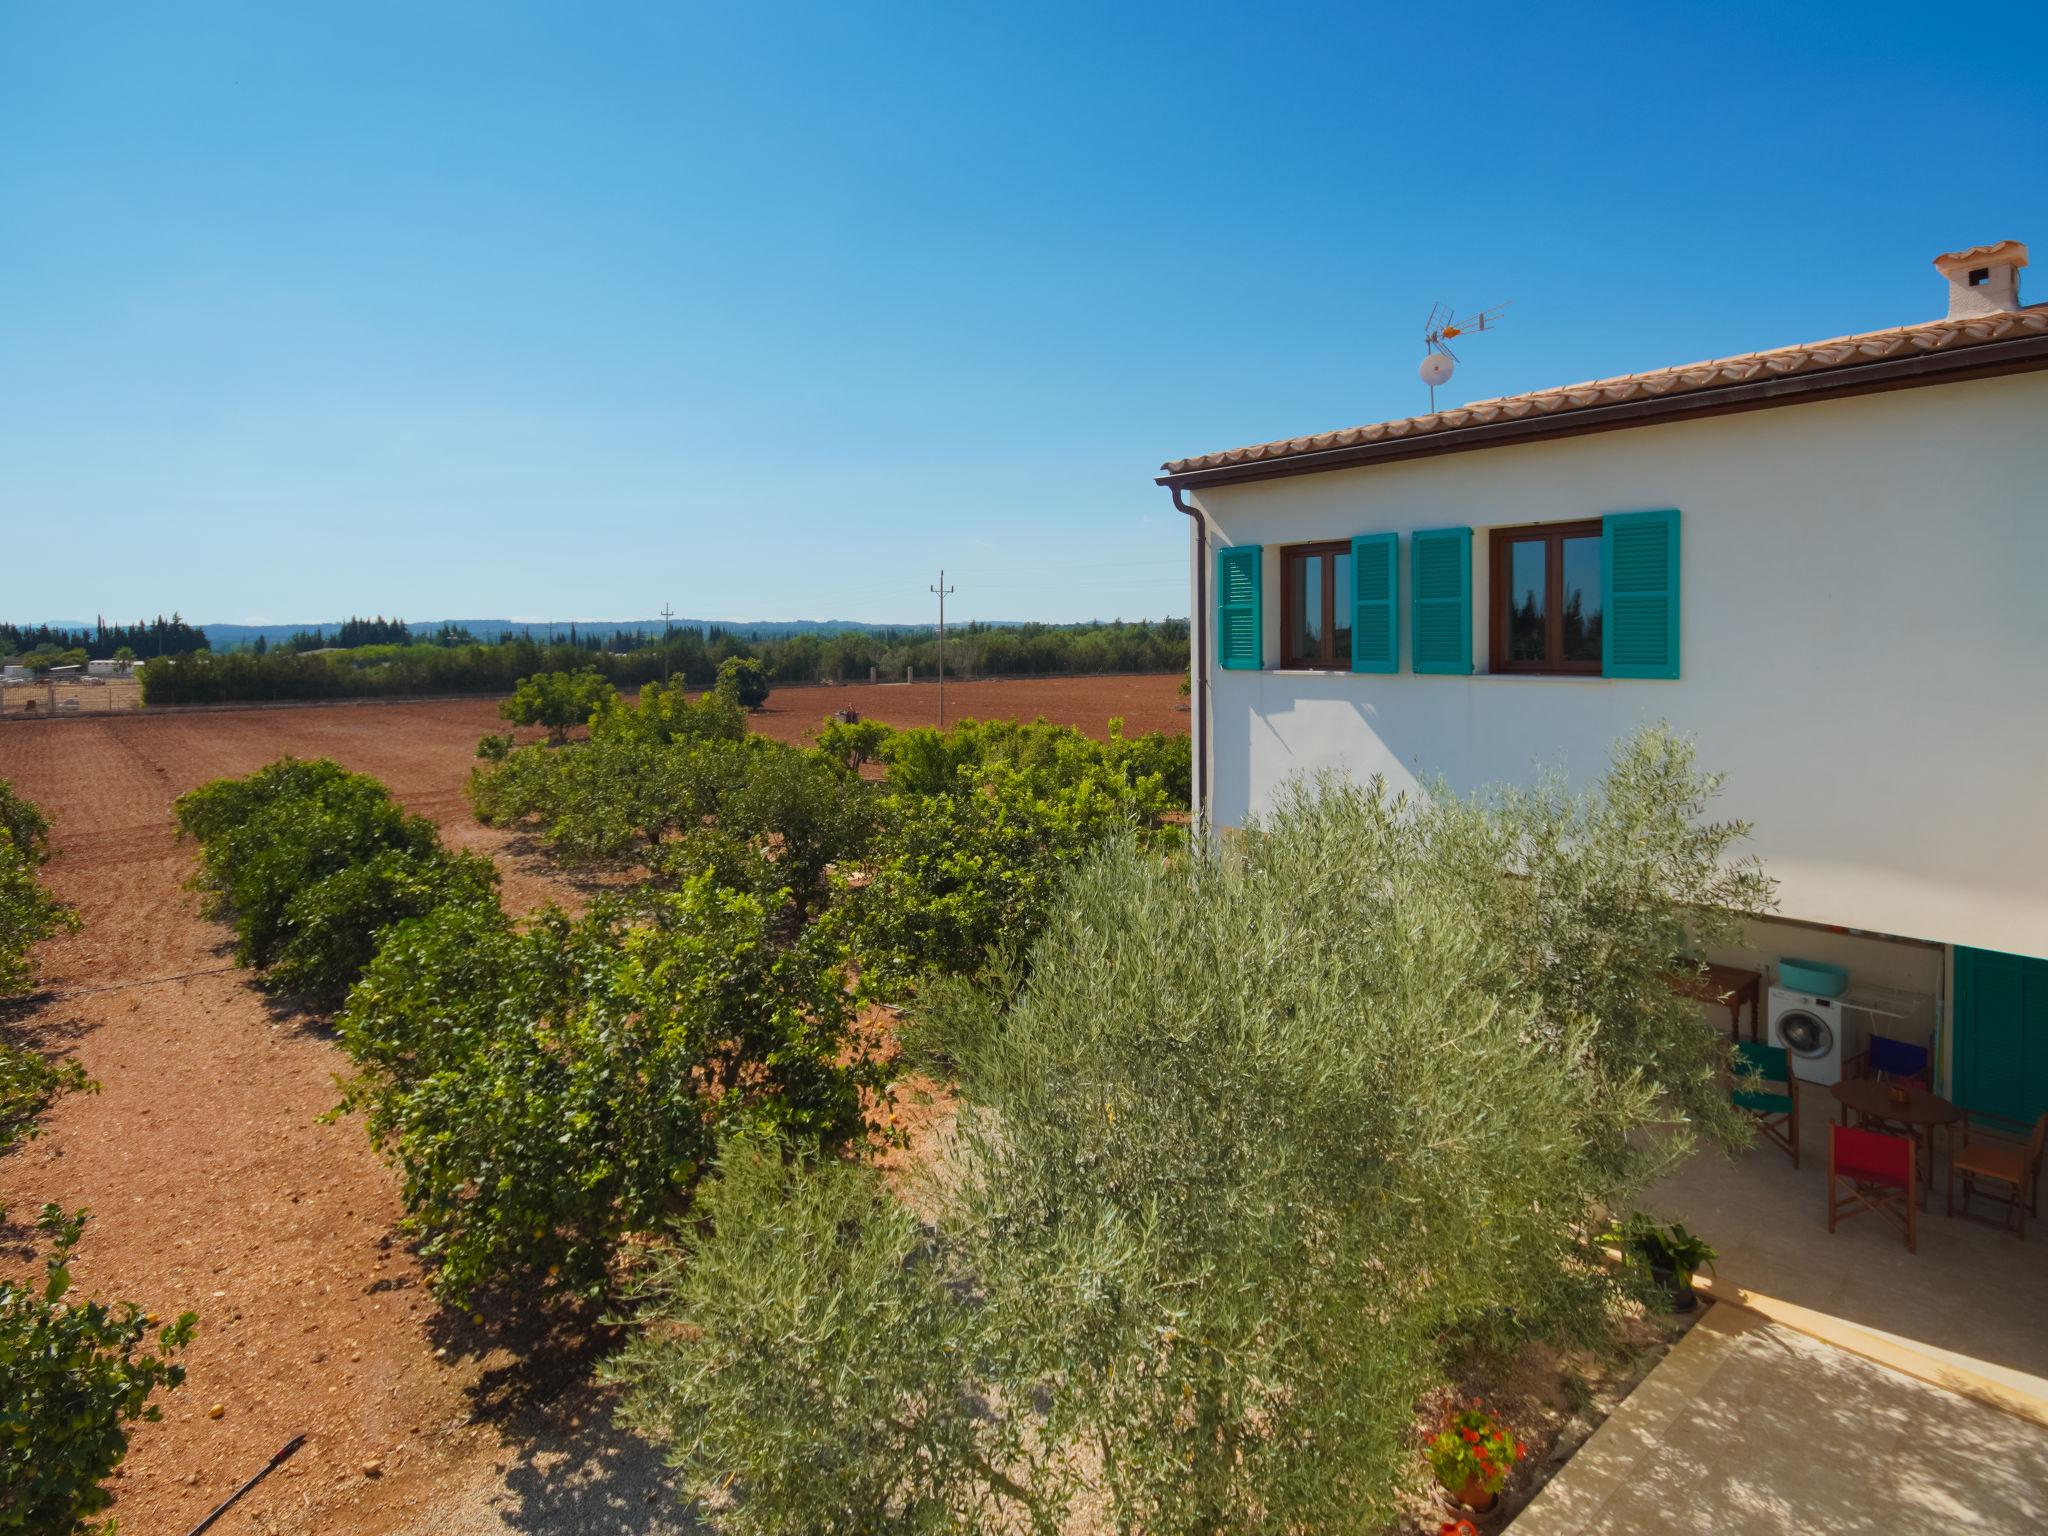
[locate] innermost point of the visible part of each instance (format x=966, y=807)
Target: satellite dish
x=1436, y=369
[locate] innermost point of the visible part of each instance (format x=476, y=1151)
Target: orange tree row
x=555, y=1089
x=74, y=1374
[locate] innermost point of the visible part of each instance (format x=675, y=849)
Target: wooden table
x=1919, y=1116
x=1729, y=986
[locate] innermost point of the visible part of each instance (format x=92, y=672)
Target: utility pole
x=667, y=628
x=943, y=590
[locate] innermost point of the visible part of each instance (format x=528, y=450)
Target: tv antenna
x=1439, y=362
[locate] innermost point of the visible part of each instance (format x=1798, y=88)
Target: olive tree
x=1256, y=1143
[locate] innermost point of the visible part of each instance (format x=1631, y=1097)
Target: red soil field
x=212, y=1182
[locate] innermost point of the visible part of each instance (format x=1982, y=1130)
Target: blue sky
x=768, y=311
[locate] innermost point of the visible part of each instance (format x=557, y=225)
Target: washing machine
x=1811, y=1029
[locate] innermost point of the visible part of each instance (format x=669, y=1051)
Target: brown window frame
x=1499, y=597
x=1328, y=661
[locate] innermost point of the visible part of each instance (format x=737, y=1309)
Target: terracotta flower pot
x=1475, y=1497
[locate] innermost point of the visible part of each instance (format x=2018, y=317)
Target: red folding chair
x=1880, y=1174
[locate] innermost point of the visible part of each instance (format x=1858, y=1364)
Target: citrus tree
x=549, y=1091
x=29, y=913
x=76, y=1376
x=310, y=863
x=743, y=681
x=557, y=700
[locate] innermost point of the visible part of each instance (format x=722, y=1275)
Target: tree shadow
x=564, y=1464
x=29, y=1023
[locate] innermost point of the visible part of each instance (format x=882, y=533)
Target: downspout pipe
x=1198, y=685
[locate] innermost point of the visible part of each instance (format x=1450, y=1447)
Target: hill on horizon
x=227, y=636
x=232, y=636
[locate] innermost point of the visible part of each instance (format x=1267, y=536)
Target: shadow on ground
x=565, y=1468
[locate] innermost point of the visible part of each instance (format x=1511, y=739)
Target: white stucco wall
x=1865, y=644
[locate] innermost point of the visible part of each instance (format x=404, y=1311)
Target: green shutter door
x=1639, y=594
x=2001, y=1034
x=1238, y=608
x=1375, y=590
x=1440, y=562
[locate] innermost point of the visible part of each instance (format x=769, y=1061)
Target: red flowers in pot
x=1472, y=1456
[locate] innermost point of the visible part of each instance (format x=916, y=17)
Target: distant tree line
x=691, y=656
x=352, y=633
x=145, y=638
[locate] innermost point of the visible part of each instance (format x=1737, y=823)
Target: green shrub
x=548, y=1092
x=1155, y=768
x=330, y=928
x=75, y=1376
x=557, y=700
x=29, y=914
x=1262, y=1141
x=508, y=787
x=743, y=681
x=663, y=715
x=851, y=745
x=23, y=822
x=268, y=839
x=609, y=798
x=312, y=863
x=795, y=810
x=952, y=877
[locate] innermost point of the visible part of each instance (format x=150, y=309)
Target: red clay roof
x=2007, y=248
x=1810, y=357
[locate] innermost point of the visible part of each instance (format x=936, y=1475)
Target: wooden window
x=1315, y=606
x=1545, y=597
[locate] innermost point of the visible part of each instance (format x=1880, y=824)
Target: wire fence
x=46, y=700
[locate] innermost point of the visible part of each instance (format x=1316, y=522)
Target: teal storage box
x=1812, y=977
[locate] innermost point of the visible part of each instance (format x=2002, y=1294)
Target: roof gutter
x=1198, y=675
x=2016, y=355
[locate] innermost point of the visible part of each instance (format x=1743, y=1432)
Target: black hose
x=269, y=1467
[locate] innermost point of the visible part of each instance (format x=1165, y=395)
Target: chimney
x=1984, y=280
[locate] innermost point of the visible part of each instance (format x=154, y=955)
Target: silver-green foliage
x=1263, y=1140
x=807, y=1365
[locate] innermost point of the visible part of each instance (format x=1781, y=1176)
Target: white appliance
x=1811, y=1029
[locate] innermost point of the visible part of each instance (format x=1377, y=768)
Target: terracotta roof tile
x=1811, y=357
x=2006, y=248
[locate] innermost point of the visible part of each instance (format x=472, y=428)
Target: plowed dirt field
x=214, y=1186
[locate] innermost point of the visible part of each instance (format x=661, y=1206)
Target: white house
x=1828, y=563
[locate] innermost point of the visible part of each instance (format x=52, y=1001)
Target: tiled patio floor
x=1971, y=1290
x=1752, y=1427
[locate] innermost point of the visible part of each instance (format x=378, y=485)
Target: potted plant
x=1472, y=1456
x=1673, y=1254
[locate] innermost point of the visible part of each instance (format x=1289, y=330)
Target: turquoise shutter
x=1639, y=594
x=1375, y=593
x=2001, y=1035
x=1440, y=563
x=1238, y=612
